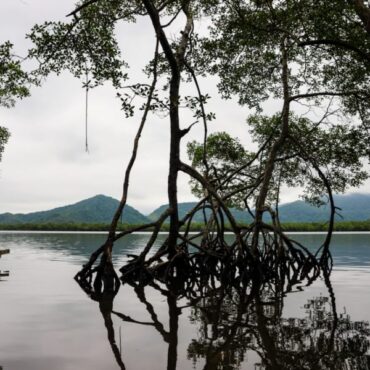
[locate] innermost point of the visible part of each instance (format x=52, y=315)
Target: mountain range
x=353, y=207
x=100, y=209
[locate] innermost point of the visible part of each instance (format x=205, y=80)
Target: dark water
x=47, y=322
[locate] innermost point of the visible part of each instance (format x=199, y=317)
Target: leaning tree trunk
x=270, y=165
x=175, y=60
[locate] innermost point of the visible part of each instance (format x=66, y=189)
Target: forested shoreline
x=195, y=226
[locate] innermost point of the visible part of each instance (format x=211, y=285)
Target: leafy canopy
x=13, y=80
x=337, y=150
x=247, y=40
x=14, y=84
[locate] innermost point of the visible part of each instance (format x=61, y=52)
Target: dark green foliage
x=264, y=49
x=246, y=42
x=98, y=209
x=317, y=226
x=195, y=226
x=4, y=136
x=85, y=45
x=338, y=150
x=221, y=147
x=13, y=80
x=225, y=155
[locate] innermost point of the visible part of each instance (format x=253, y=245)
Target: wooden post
x=4, y=273
x=4, y=251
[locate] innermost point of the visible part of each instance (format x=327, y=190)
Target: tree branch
x=196, y=175
x=82, y=6
x=339, y=43
x=326, y=93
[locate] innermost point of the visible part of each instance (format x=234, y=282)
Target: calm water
x=47, y=322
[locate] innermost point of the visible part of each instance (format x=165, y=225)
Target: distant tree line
x=195, y=226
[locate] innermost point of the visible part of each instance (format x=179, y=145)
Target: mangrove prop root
x=196, y=261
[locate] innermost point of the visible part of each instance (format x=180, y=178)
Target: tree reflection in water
x=234, y=322
x=228, y=329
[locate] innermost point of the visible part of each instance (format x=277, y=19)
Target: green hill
x=354, y=207
x=98, y=209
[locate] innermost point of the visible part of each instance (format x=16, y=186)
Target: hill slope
x=355, y=207
x=98, y=209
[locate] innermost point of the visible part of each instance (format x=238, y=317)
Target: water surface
x=48, y=322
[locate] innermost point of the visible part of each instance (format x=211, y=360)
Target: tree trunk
x=176, y=62
x=270, y=165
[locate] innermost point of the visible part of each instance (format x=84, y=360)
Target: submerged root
x=95, y=280
x=234, y=264
x=199, y=261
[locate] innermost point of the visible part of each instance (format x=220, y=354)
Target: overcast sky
x=45, y=164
